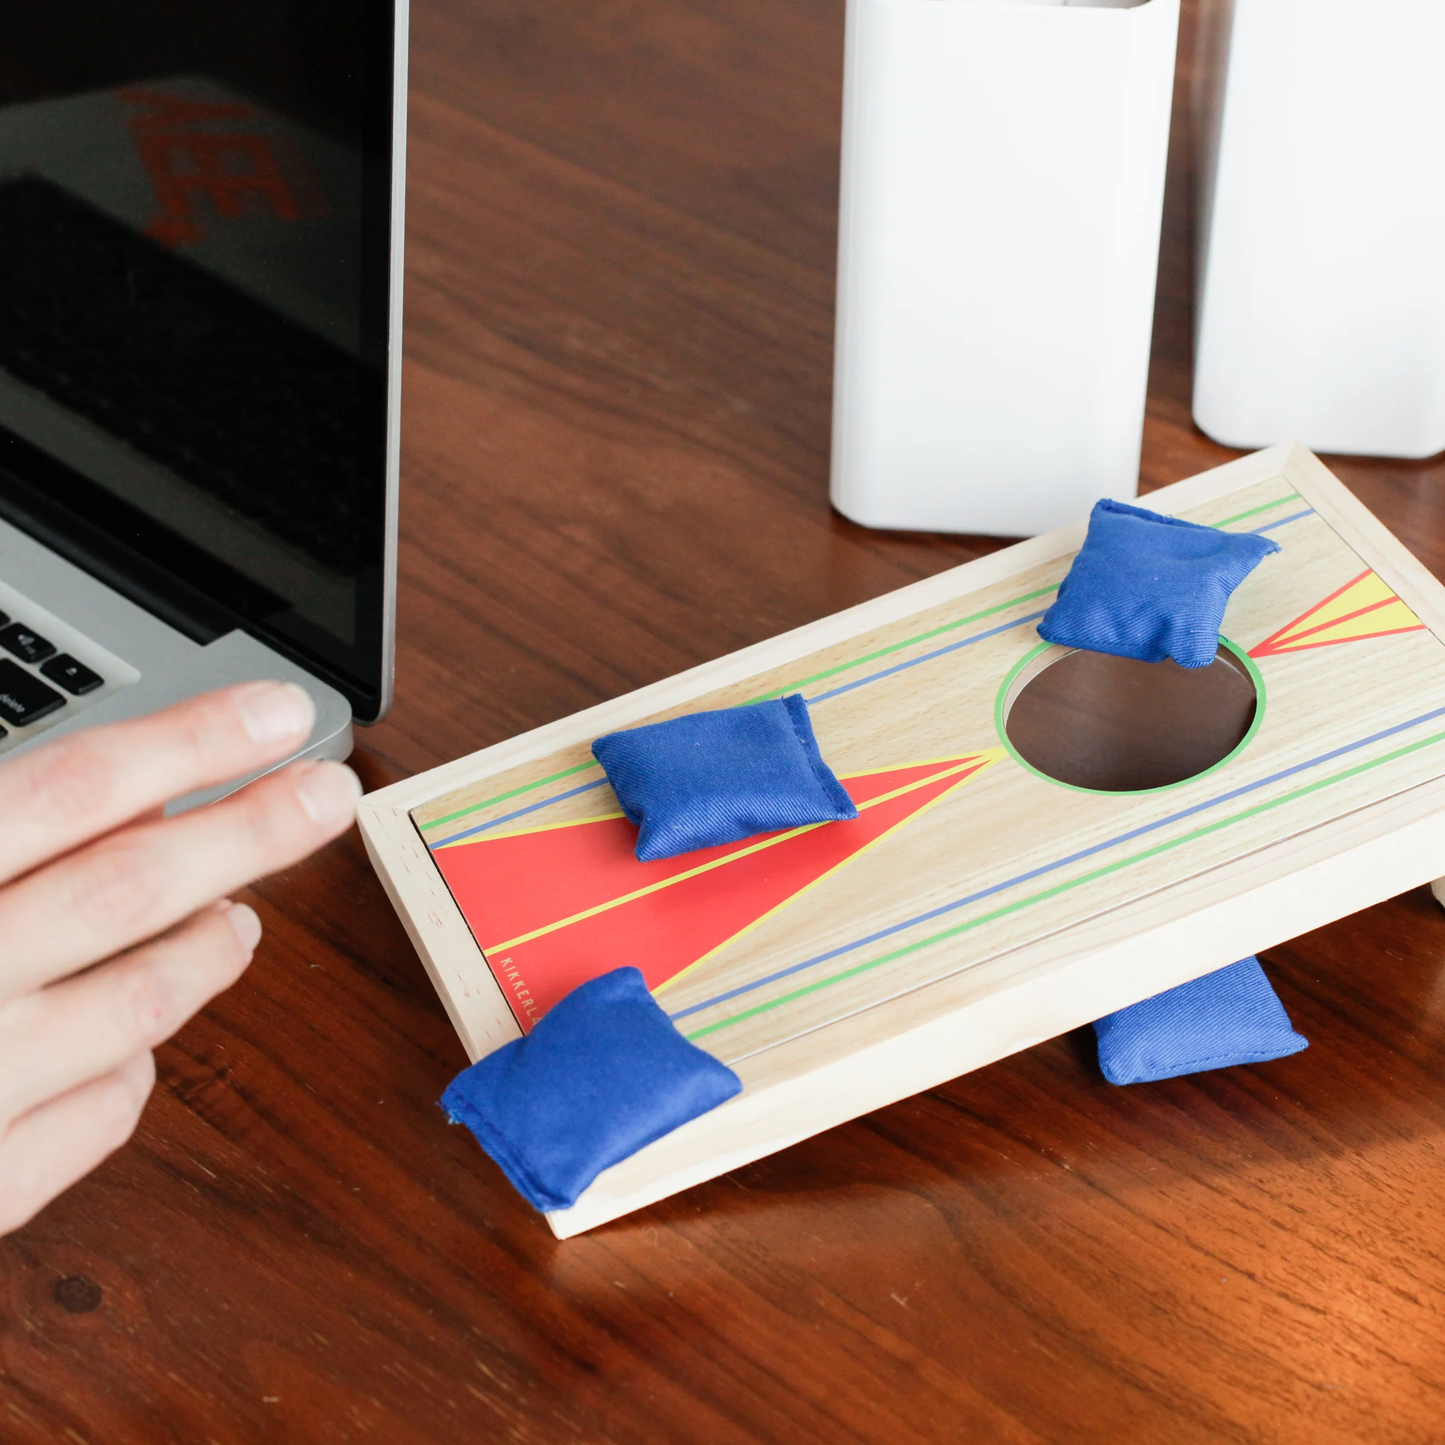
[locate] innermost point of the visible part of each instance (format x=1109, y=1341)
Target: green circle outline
x=1251, y=670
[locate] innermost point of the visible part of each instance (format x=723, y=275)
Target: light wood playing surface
x=1350, y=709
x=620, y=242
x=1089, y=900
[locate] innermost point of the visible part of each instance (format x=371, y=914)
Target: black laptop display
x=195, y=297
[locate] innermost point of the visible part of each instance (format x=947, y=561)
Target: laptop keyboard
x=236, y=398
x=21, y=642
x=24, y=698
x=42, y=680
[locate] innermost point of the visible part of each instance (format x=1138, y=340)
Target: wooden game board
x=975, y=906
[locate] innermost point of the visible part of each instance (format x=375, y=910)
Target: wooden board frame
x=1038, y=988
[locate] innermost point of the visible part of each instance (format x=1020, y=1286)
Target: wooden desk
x=621, y=232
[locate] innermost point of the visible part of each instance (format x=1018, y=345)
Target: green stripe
x=502, y=797
x=899, y=646
x=1255, y=511
x=1065, y=887
x=822, y=676
x=976, y=616
x=776, y=692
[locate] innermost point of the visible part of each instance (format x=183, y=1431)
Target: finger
x=51, y=1147
x=140, y=881
x=56, y=1039
x=83, y=785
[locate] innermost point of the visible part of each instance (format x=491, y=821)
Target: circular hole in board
x=1118, y=726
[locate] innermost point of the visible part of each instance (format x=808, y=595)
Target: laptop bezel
x=145, y=581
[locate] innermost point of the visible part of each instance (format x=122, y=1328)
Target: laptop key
x=75, y=677
x=25, y=699
x=27, y=645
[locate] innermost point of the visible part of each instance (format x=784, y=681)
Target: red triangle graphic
x=521, y=895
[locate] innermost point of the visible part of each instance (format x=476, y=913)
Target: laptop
x=200, y=306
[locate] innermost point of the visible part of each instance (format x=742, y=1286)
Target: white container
x=1321, y=309
x=1002, y=185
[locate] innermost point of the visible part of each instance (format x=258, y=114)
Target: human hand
x=114, y=925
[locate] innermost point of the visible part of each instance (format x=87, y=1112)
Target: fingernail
x=271, y=711
x=328, y=792
x=248, y=927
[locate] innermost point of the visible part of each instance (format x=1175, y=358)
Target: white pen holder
x=1321, y=312
x=1002, y=185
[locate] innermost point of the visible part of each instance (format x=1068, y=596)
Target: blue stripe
x=847, y=687
x=1060, y=863
x=994, y=631
x=821, y=697
x=520, y=813
x=1270, y=526
x=927, y=657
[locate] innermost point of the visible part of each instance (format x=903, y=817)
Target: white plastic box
x=1321, y=309
x=1002, y=187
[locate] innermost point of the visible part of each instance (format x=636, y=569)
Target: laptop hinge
x=84, y=540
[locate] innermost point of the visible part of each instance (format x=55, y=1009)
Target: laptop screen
x=195, y=293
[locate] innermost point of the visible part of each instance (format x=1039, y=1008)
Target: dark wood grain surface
x=620, y=279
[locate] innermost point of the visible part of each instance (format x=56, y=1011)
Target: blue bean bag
x=603, y=1073
x=715, y=777
x=1229, y=1017
x=1150, y=587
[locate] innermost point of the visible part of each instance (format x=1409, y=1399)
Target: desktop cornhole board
x=975, y=907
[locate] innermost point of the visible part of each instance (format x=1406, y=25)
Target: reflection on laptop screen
x=194, y=299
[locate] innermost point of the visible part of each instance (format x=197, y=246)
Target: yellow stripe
x=718, y=862
x=1367, y=590
x=603, y=817
x=991, y=757
x=1394, y=616
x=961, y=762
